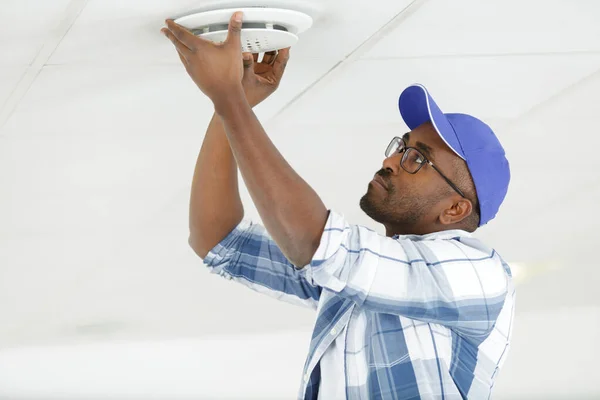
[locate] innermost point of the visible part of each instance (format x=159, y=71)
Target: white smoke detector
x=263, y=29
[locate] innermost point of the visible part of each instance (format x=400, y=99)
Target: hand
x=217, y=69
x=262, y=79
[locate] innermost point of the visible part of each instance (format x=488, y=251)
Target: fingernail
x=237, y=17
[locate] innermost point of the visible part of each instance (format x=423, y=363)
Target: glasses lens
x=412, y=161
x=394, y=146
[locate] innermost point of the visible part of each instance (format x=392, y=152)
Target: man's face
x=410, y=203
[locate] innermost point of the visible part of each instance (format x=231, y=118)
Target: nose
x=392, y=163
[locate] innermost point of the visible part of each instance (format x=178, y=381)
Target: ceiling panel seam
x=487, y=55
x=72, y=12
x=357, y=53
x=539, y=107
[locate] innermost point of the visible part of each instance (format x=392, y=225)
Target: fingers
x=235, y=29
x=183, y=59
x=283, y=55
x=248, y=60
x=191, y=41
x=180, y=46
x=270, y=57
x=281, y=62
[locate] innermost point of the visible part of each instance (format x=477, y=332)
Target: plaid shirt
x=424, y=316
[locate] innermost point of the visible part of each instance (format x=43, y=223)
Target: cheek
x=414, y=188
x=405, y=184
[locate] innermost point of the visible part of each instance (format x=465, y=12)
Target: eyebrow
x=427, y=150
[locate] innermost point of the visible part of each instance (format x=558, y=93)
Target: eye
x=412, y=161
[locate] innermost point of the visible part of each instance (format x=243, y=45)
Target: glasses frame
x=403, y=149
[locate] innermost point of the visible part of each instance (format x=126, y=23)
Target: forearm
x=215, y=204
x=291, y=210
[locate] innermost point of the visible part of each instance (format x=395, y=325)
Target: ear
x=460, y=209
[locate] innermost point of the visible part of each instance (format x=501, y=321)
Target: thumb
x=235, y=29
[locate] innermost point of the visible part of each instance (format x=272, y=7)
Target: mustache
x=385, y=175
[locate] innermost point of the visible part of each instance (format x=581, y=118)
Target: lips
x=380, y=181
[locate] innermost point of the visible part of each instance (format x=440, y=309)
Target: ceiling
x=100, y=128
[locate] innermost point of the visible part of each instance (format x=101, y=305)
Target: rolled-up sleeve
x=248, y=255
x=445, y=278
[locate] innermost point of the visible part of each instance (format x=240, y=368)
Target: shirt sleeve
x=248, y=255
x=437, y=278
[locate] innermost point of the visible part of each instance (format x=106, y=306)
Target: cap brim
x=418, y=107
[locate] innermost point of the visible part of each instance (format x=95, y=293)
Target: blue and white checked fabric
x=425, y=317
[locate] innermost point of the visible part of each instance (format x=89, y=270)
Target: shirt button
x=333, y=331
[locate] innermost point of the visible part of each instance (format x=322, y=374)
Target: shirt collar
x=451, y=234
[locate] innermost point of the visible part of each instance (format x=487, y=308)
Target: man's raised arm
x=215, y=204
x=292, y=212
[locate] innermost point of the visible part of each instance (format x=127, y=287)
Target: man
x=423, y=312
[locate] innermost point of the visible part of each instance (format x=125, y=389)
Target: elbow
x=196, y=245
x=206, y=235
x=302, y=260
x=304, y=256
x=299, y=263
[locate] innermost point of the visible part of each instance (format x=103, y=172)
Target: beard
x=394, y=208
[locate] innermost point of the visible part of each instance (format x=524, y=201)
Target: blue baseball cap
x=471, y=139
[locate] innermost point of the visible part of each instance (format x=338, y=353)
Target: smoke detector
x=263, y=29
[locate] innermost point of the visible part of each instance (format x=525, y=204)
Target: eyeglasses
x=413, y=160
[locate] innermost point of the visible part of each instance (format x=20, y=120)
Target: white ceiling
x=100, y=128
